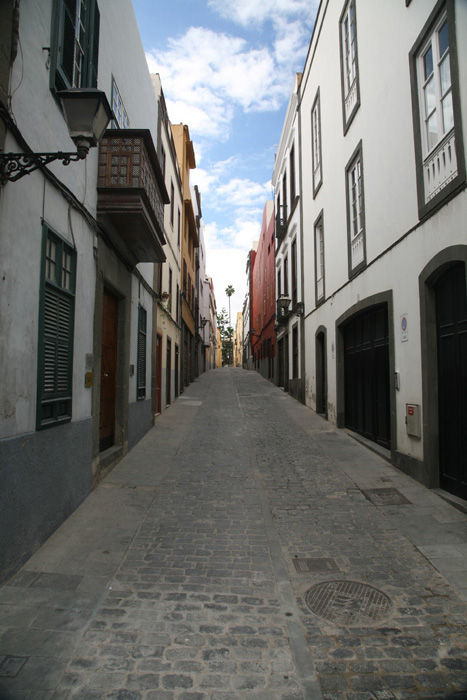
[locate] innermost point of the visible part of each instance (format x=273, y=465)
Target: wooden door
x=158, y=374
x=366, y=369
x=451, y=326
x=108, y=371
x=177, y=365
x=168, y=378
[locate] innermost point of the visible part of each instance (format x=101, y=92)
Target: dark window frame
x=61, y=51
x=347, y=120
x=141, y=354
x=357, y=154
x=449, y=190
x=54, y=407
x=319, y=223
x=317, y=106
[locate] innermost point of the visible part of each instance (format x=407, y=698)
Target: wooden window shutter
x=141, y=361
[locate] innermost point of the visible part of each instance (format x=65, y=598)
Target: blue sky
x=227, y=70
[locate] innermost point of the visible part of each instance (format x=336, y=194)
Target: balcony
x=281, y=221
x=132, y=194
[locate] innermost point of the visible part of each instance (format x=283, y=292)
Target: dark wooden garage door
x=366, y=368
x=451, y=323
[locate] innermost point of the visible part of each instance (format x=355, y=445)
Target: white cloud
x=207, y=76
x=246, y=12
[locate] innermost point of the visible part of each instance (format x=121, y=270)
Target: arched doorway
x=451, y=336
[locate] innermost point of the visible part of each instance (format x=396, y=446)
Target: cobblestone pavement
x=245, y=548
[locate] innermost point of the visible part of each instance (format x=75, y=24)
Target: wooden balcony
x=132, y=194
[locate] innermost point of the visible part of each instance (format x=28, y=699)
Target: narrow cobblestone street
x=245, y=548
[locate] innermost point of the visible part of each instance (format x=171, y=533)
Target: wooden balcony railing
x=132, y=193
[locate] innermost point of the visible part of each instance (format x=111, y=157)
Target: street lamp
x=284, y=302
x=87, y=114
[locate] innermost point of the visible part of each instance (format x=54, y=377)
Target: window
x=169, y=303
x=286, y=275
x=292, y=176
x=284, y=195
x=56, y=327
x=316, y=145
x=294, y=274
x=178, y=228
x=177, y=310
x=75, y=44
x=356, y=212
x=279, y=283
x=121, y=120
x=141, y=361
x=435, y=98
x=349, y=63
x=163, y=160
x=319, y=259
x=172, y=203
x=158, y=274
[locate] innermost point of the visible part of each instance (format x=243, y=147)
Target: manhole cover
x=348, y=602
x=304, y=566
x=385, y=497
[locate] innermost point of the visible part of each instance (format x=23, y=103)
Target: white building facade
x=77, y=249
x=167, y=280
x=288, y=236
x=384, y=206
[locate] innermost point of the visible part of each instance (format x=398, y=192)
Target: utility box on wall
x=412, y=420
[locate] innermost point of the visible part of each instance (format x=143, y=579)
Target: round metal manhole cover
x=348, y=602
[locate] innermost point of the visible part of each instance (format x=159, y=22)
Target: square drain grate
x=12, y=665
x=385, y=497
x=314, y=565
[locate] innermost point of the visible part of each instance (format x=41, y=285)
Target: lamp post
x=87, y=114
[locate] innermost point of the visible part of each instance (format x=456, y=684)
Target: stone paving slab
x=178, y=578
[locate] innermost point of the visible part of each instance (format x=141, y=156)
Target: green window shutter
x=55, y=347
x=141, y=362
x=92, y=44
x=64, y=45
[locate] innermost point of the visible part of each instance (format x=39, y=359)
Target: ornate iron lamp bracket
x=14, y=165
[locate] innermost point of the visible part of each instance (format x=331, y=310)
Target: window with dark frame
x=440, y=160
x=294, y=273
x=319, y=260
x=349, y=63
x=172, y=203
x=56, y=331
x=141, y=359
x=74, y=44
x=316, y=144
x=169, y=302
x=356, y=212
x=292, y=176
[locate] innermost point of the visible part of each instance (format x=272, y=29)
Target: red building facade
x=263, y=297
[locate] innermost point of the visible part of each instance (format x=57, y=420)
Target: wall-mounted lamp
x=284, y=302
x=203, y=322
x=87, y=114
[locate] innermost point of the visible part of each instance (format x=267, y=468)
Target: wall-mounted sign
x=404, y=328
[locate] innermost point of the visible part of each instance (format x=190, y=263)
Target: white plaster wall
x=384, y=124
x=23, y=204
